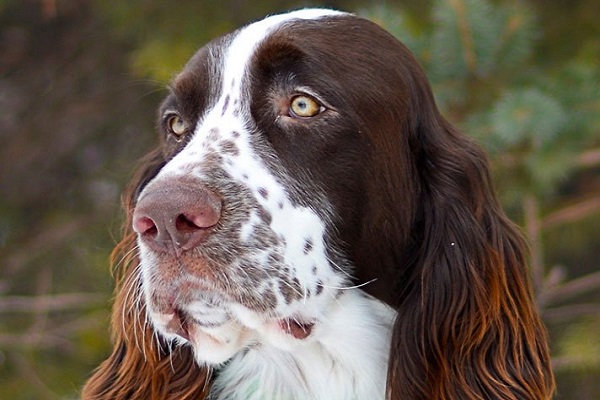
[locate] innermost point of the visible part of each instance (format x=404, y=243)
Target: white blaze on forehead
x=245, y=43
x=295, y=224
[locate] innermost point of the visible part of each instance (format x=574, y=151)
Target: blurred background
x=79, y=84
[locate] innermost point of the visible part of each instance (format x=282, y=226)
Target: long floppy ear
x=467, y=326
x=141, y=365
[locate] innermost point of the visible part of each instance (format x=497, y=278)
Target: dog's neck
x=344, y=358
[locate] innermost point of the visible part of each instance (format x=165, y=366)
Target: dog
x=311, y=227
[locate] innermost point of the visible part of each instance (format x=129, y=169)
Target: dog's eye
x=304, y=107
x=176, y=125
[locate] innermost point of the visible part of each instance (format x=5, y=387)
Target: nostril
x=145, y=226
x=185, y=224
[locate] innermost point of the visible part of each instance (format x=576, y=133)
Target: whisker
x=349, y=287
x=339, y=268
x=144, y=329
x=131, y=287
x=123, y=259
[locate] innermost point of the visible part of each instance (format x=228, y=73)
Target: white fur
x=345, y=358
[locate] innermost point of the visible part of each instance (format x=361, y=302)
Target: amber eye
x=304, y=107
x=176, y=125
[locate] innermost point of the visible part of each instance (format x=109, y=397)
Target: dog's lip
x=183, y=322
x=180, y=322
x=296, y=327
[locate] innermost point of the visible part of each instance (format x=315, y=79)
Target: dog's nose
x=175, y=216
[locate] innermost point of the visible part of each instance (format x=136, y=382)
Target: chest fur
x=346, y=358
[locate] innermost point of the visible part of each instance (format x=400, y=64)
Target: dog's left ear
x=142, y=366
x=467, y=325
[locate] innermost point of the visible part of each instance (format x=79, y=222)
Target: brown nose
x=175, y=216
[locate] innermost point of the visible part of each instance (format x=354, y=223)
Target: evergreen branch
x=587, y=159
x=513, y=25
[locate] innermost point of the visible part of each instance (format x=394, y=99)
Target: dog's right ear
x=142, y=366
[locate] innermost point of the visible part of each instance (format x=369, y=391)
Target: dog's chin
x=214, y=344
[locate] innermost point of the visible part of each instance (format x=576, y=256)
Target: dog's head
x=301, y=156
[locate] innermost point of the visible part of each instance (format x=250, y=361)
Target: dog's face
x=245, y=232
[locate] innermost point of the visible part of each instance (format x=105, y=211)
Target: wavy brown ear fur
x=141, y=366
x=467, y=326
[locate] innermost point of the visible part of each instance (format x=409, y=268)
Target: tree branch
x=38, y=340
x=566, y=313
x=466, y=36
x=566, y=362
x=589, y=158
x=534, y=233
x=572, y=213
x=572, y=288
x=48, y=238
x=50, y=302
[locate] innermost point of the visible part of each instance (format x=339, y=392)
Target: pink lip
x=297, y=329
x=179, y=325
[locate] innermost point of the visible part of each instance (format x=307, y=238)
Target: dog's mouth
x=298, y=329
x=181, y=325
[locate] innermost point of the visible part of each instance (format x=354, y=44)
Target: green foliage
x=543, y=128
x=579, y=346
x=526, y=117
x=465, y=39
x=527, y=124
x=478, y=57
x=166, y=35
x=467, y=43
x=159, y=59
x=402, y=25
